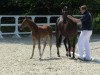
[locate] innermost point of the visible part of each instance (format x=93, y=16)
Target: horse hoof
x=58, y=55
x=30, y=57
x=39, y=58
x=67, y=54
x=73, y=57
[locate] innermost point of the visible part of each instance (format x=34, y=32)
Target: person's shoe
x=87, y=59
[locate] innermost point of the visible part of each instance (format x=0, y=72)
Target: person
x=86, y=32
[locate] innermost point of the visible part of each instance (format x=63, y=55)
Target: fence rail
x=16, y=24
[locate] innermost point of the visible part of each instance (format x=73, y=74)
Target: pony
x=38, y=33
x=67, y=28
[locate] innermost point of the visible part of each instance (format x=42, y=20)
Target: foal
x=38, y=33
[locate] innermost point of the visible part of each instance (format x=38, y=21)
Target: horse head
x=63, y=19
x=65, y=10
x=28, y=23
x=24, y=23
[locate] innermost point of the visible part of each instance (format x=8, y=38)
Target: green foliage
x=96, y=24
x=37, y=7
x=51, y=7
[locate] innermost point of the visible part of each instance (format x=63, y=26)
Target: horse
x=38, y=33
x=67, y=28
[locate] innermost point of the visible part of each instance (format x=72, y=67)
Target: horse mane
x=32, y=23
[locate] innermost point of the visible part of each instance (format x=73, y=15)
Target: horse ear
x=26, y=17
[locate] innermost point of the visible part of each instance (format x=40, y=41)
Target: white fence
x=16, y=24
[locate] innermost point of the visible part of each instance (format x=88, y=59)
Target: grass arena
x=15, y=59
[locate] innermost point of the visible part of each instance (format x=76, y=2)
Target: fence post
x=33, y=17
x=16, y=28
x=1, y=37
x=48, y=20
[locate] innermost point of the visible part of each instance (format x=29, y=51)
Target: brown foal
x=38, y=33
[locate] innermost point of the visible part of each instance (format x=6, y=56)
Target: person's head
x=83, y=8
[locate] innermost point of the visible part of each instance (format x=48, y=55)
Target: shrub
x=96, y=24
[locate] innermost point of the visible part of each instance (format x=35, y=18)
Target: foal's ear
x=26, y=17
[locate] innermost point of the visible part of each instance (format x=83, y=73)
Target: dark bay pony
x=67, y=28
x=38, y=33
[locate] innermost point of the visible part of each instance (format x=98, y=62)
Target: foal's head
x=28, y=23
x=24, y=23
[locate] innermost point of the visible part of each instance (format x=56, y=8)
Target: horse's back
x=45, y=30
x=43, y=27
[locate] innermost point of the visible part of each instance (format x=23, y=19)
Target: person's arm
x=74, y=19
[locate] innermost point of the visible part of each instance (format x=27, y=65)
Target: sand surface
x=15, y=59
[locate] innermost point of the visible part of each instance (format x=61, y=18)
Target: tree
x=45, y=7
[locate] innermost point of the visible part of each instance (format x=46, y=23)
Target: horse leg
x=33, y=49
x=69, y=47
x=58, y=43
x=69, y=52
x=73, y=52
x=50, y=43
x=44, y=47
x=65, y=42
x=39, y=47
x=58, y=52
x=74, y=41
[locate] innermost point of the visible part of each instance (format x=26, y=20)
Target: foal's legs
x=50, y=43
x=33, y=49
x=39, y=47
x=44, y=47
